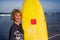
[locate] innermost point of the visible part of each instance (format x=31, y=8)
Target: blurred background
x=51, y=11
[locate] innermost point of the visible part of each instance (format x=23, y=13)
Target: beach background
x=51, y=11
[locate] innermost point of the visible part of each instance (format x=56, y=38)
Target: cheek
x=17, y=18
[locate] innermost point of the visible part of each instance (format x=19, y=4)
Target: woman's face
x=17, y=17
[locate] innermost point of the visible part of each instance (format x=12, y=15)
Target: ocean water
x=53, y=25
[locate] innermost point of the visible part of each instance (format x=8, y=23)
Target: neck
x=17, y=23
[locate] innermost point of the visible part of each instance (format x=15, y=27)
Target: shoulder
x=11, y=29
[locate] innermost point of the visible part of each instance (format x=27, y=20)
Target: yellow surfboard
x=33, y=21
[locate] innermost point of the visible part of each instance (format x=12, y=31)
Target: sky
x=7, y=6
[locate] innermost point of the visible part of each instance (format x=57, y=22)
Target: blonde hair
x=14, y=12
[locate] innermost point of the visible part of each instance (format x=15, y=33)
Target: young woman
x=16, y=31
